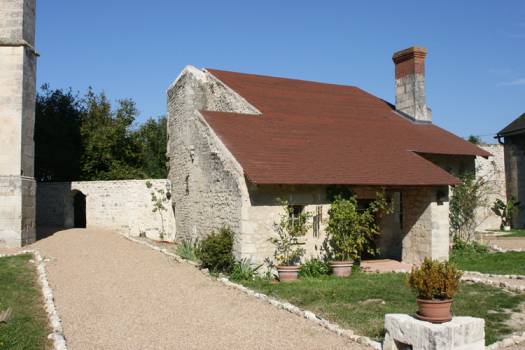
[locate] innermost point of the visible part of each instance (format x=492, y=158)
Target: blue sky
x=475, y=65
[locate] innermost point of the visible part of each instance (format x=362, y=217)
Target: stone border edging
x=59, y=341
x=309, y=315
x=514, y=339
x=487, y=279
x=504, y=250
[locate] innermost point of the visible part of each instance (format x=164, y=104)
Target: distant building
x=513, y=138
x=237, y=142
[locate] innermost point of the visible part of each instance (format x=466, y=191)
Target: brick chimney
x=410, y=83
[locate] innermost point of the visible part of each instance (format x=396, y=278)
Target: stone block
x=406, y=332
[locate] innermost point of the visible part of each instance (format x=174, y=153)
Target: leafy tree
x=58, y=145
x=475, y=139
x=152, y=137
x=111, y=151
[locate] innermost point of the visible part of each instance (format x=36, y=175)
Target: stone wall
x=262, y=211
x=208, y=183
x=493, y=171
x=515, y=175
x=124, y=206
x=17, y=109
x=425, y=224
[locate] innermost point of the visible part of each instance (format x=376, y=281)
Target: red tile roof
x=315, y=133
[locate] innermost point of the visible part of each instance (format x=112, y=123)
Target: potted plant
x=288, y=250
x=504, y=211
x=351, y=231
x=435, y=283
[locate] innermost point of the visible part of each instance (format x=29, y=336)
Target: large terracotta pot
x=341, y=268
x=287, y=273
x=435, y=311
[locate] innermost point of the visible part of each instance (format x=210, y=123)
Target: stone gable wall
x=124, y=206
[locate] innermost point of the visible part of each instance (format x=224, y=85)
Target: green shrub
x=186, y=249
x=434, y=280
x=314, y=268
x=216, y=251
x=243, y=271
x=463, y=247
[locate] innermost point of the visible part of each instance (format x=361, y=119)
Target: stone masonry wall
x=124, y=206
x=208, y=183
x=263, y=211
x=493, y=171
x=425, y=224
x=17, y=108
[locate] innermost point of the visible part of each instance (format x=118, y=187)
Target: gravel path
x=115, y=294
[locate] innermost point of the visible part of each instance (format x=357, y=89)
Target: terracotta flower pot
x=287, y=273
x=341, y=268
x=435, y=311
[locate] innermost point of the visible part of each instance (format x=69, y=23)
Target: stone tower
x=17, y=119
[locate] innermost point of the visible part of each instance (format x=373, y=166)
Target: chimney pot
x=410, y=83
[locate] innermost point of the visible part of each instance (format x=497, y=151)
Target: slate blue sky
x=475, y=66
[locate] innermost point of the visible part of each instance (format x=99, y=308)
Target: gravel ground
x=115, y=294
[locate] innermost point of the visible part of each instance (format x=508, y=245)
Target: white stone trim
x=504, y=250
x=491, y=282
x=309, y=315
x=514, y=339
x=59, y=341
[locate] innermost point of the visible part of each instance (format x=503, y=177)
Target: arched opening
x=79, y=208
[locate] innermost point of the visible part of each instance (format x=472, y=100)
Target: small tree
x=159, y=199
x=289, y=229
x=350, y=230
x=468, y=196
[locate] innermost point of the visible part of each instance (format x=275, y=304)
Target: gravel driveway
x=115, y=294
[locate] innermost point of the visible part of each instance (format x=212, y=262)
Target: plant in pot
x=504, y=211
x=288, y=251
x=435, y=283
x=351, y=230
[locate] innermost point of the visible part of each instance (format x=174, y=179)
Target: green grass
x=28, y=327
x=342, y=300
x=509, y=263
x=511, y=233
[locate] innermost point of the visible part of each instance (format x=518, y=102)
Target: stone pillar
x=425, y=224
x=410, y=83
x=515, y=175
x=17, y=119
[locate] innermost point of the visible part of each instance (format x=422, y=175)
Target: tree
x=152, y=137
x=475, y=139
x=58, y=145
x=111, y=151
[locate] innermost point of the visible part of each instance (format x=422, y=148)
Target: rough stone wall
x=493, y=172
x=124, y=206
x=425, y=224
x=17, y=108
x=207, y=182
x=410, y=97
x=515, y=175
x=262, y=211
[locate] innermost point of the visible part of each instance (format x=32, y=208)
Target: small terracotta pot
x=341, y=268
x=435, y=311
x=287, y=273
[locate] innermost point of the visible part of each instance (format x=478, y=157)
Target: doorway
x=79, y=206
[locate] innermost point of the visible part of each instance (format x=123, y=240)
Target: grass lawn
x=511, y=233
x=509, y=263
x=28, y=326
x=360, y=302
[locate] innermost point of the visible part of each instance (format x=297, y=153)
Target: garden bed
x=360, y=302
x=27, y=328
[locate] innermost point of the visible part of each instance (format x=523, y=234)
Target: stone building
x=513, y=138
x=17, y=113
x=238, y=142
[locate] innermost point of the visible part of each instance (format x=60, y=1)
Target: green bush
x=473, y=247
x=243, y=271
x=216, y=251
x=314, y=268
x=434, y=279
x=187, y=250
